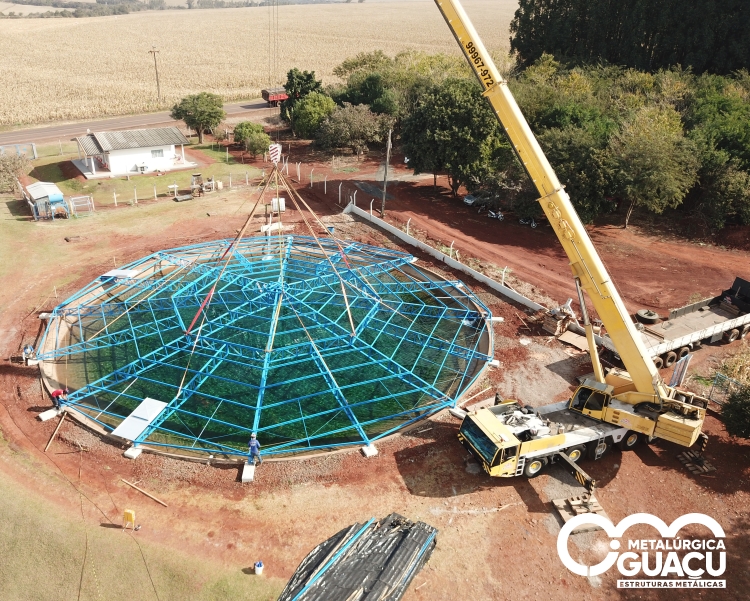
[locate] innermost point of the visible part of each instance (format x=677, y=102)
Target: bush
x=12, y=167
x=351, y=127
x=252, y=136
x=310, y=112
x=736, y=413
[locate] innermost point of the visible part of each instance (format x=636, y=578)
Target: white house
x=112, y=153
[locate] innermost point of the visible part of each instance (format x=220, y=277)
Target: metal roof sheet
x=105, y=141
x=43, y=189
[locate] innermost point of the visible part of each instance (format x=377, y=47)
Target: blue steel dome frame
x=311, y=343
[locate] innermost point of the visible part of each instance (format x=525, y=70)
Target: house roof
x=104, y=141
x=39, y=190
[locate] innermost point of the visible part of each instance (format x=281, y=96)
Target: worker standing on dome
x=254, y=447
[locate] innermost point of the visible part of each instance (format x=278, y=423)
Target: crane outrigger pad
x=695, y=463
x=570, y=508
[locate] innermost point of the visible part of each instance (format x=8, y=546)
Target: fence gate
x=722, y=388
x=82, y=204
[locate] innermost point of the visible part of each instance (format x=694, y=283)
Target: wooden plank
x=140, y=490
x=51, y=438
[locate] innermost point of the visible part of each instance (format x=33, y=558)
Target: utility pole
x=385, y=176
x=154, y=51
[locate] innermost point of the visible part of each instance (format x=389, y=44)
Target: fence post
x=115, y=195
x=135, y=194
x=298, y=172
x=354, y=198
x=155, y=192
x=407, y=226
x=93, y=208
x=372, y=201
x=311, y=176
x=230, y=181
x=340, y=193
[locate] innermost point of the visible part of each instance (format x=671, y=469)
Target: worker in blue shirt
x=254, y=446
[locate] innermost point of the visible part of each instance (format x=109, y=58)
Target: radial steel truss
x=310, y=343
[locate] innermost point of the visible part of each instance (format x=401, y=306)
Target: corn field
x=72, y=69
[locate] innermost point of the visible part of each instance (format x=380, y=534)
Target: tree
x=252, y=136
x=298, y=85
x=310, y=113
x=453, y=130
x=12, y=167
x=653, y=164
x=351, y=127
x=736, y=412
x=701, y=34
x=200, y=112
x=579, y=160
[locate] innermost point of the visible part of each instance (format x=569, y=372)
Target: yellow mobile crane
x=620, y=407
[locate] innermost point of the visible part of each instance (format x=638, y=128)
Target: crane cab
x=592, y=398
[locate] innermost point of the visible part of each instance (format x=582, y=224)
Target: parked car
x=477, y=199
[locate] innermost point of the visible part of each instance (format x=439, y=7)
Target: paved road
x=68, y=131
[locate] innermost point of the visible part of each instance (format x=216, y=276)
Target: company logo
x=671, y=561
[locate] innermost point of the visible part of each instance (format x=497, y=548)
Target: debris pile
x=375, y=561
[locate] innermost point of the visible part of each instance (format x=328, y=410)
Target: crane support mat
x=375, y=561
x=569, y=508
x=695, y=463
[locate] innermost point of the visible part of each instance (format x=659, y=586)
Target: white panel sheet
x=135, y=423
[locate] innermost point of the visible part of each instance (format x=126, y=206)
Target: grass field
x=49, y=554
x=70, y=69
x=48, y=169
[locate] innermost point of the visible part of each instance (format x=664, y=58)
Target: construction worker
x=58, y=395
x=254, y=447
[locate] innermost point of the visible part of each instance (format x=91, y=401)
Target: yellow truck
x=619, y=407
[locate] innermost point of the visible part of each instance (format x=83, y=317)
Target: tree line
x=705, y=35
x=672, y=142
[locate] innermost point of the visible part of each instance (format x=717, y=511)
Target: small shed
x=112, y=153
x=45, y=200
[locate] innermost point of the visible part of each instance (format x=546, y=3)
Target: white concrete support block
x=248, y=472
x=133, y=453
x=456, y=412
x=497, y=319
x=495, y=363
x=49, y=414
x=369, y=451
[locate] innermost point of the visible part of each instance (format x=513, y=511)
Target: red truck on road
x=274, y=96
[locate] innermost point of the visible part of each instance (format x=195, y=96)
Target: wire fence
x=722, y=388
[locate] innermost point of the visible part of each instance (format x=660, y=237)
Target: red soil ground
x=488, y=554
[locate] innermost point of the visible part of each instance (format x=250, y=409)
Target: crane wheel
x=658, y=362
x=629, y=441
x=575, y=453
x=731, y=335
x=534, y=467
x=683, y=352
x=670, y=358
x=745, y=331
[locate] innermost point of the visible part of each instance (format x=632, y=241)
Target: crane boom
x=585, y=263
